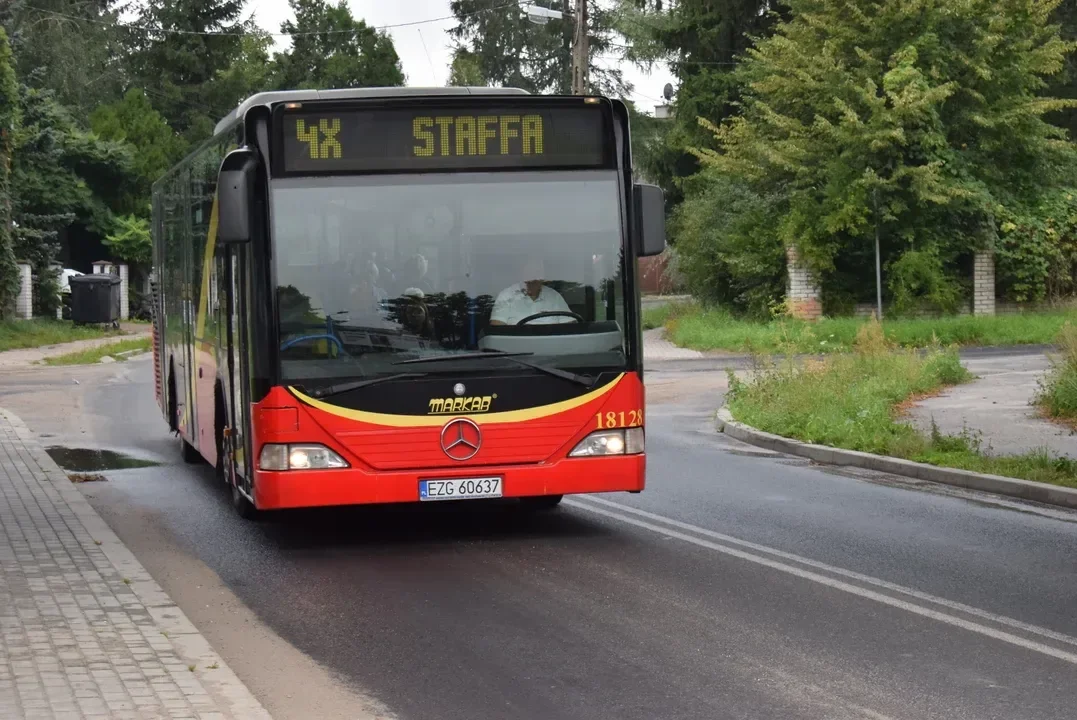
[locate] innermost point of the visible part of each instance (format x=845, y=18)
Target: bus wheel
x=244, y=507
x=542, y=502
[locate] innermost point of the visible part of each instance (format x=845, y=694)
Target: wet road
x=739, y=585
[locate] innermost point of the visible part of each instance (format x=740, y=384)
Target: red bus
x=395, y=295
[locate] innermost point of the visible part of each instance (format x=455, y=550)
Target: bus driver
x=529, y=297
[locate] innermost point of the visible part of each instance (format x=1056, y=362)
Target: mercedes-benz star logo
x=460, y=439
x=459, y=389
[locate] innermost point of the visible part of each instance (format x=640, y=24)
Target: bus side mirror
x=234, y=184
x=650, y=220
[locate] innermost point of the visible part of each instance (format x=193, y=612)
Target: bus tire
x=244, y=507
x=541, y=502
x=218, y=433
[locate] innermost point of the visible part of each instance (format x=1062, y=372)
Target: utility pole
x=580, y=51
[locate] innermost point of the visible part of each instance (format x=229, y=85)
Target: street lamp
x=540, y=15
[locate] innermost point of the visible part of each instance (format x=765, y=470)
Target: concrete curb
x=188, y=643
x=1011, y=487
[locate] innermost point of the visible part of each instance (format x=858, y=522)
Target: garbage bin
x=95, y=299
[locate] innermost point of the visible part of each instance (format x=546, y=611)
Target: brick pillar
x=24, y=302
x=801, y=290
x=983, y=283
x=125, y=301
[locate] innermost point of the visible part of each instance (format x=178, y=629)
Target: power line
x=148, y=29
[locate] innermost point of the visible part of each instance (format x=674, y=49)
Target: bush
x=1036, y=256
x=1058, y=392
x=727, y=248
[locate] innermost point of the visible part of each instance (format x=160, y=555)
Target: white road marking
x=592, y=505
x=868, y=579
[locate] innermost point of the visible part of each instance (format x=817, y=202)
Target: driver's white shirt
x=513, y=304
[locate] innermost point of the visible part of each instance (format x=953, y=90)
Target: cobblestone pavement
x=85, y=632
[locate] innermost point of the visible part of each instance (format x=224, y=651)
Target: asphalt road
x=739, y=585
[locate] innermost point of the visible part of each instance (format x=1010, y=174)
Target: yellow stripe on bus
x=509, y=416
x=207, y=268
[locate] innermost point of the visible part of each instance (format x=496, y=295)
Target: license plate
x=460, y=488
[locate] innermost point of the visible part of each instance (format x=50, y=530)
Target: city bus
x=402, y=295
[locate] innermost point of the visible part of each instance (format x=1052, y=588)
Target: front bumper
x=321, y=488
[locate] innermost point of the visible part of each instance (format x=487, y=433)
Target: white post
x=125, y=302
x=24, y=303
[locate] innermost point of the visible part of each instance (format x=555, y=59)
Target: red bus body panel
x=389, y=454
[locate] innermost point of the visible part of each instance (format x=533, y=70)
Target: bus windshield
x=375, y=270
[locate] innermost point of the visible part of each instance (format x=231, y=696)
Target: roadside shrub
x=727, y=246
x=918, y=282
x=1058, y=391
x=1036, y=255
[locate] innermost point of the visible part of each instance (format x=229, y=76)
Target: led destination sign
x=423, y=139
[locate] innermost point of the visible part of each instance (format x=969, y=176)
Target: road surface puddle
x=86, y=460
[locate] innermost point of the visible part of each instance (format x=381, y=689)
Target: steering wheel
x=550, y=313
x=303, y=338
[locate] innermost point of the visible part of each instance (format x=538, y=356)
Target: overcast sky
x=426, y=50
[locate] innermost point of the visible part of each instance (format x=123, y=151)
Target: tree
x=251, y=72
x=511, y=51
x=465, y=71
x=60, y=175
x=70, y=47
x=9, y=99
x=1065, y=83
x=130, y=240
x=702, y=40
x=334, y=50
x=179, y=68
x=920, y=120
x=156, y=147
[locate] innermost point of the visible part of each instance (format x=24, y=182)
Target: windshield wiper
x=586, y=380
x=328, y=390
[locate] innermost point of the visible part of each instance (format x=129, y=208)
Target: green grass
x=699, y=328
x=93, y=355
x=852, y=400
x=19, y=334
x=658, y=315
x=1058, y=391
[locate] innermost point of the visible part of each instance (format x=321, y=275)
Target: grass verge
x=118, y=351
x=20, y=334
x=700, y=328
x=853, y=400
x=1057, y=398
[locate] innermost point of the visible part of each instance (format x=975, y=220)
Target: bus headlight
x=610, y=442
x=307, y=456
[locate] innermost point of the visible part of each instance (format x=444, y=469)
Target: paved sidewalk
x=28, y=356
x=998, y=407
x=85, y=632
x=657, y=347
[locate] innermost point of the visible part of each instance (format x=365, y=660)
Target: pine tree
x=702, y=40
x=179, y=68
x=334, y=50
x=511, y=51
x=918, y=119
